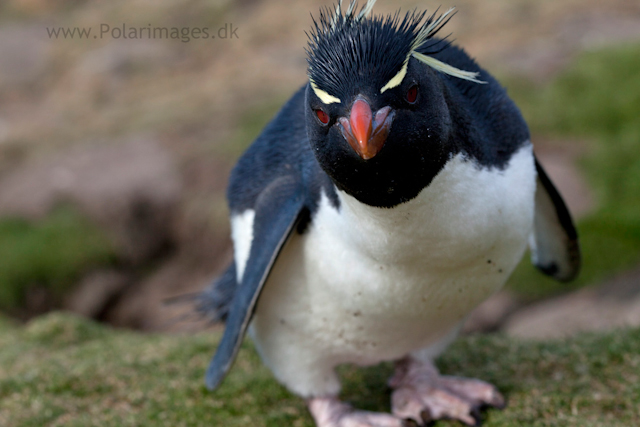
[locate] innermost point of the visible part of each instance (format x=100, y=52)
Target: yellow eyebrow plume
x=324, y=96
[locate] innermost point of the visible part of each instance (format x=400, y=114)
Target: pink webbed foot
x=330, y=412
x=423, y=395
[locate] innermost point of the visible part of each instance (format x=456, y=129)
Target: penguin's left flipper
x=276, y=213
x=554, y=242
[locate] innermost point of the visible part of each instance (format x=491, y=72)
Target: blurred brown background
x=114, y=153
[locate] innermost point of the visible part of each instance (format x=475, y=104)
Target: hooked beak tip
x=366, y=133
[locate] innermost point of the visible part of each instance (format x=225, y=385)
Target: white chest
x=368, y=284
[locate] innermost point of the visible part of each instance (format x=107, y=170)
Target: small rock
x=93, y=294
x=613, y=305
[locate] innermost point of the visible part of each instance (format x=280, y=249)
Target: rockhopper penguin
x=391, y=195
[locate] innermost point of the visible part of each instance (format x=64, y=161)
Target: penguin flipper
x=554, y=241
x=276, y=213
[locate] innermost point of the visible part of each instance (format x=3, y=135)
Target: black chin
x=387, y=180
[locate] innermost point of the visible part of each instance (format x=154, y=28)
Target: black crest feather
x=346, y=52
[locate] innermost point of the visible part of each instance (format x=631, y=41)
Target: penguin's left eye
x=322, y=116
x=412, y=94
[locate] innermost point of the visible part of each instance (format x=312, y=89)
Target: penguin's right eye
x=412, y=94
x=322, y=116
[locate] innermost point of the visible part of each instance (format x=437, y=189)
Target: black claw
x=430, y=423
x=425, y=414
x=475, y=413
x=408, y=422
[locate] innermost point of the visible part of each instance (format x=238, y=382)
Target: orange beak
x=364, y=132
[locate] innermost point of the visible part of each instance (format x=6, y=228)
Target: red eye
x=412, y=94
x=322, y=116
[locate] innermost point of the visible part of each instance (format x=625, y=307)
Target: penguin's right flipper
x=277, y=210
x=554, y=242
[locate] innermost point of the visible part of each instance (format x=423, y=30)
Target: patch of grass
x=51, y=253
x=84, y=374
x=597, y=99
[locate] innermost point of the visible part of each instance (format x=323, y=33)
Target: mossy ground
x=51, y=253
x=60, y=370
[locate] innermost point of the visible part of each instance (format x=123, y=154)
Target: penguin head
x=377, y=115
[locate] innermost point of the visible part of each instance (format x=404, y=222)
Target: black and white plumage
x=388, y=198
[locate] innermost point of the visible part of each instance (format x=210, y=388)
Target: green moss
x=109, y=377
x=596, y=99
x=598, y=95
x=51, y=253
x=62, y=329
